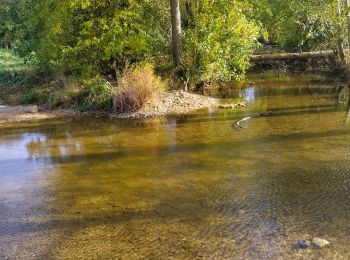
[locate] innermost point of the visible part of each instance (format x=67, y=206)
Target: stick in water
x=243, y=120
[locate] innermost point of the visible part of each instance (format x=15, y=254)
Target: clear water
x=183, y=187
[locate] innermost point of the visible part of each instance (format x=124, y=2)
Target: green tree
x=218, y=40
x=12, y=22
x=102, y=37
x=94, y=36
x=299, y=24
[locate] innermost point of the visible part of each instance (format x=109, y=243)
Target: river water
x=184, y=187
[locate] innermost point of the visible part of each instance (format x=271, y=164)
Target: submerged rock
x=319, y=242
x=302, y=244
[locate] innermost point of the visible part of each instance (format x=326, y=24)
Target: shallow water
x=183, y=187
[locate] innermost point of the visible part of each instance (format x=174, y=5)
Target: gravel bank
x=167, y=103
x=172, y=103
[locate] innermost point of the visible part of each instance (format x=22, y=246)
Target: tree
x=218, y=40
x=340, y=46
x=12, y=22
x=98, y=37
x=346, y=2
x=298, y=24
x=176, y=32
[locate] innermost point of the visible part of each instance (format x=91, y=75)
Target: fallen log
x=294, y=56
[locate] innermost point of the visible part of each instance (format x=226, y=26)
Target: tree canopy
x=91, y=37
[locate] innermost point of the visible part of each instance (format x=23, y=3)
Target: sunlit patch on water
x=183, y=187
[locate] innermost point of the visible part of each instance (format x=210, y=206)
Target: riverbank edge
x=165, y=104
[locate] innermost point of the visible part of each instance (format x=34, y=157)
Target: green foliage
x=298, y=24
x=97, y=95
x=9, y=59
x=93, y=36
x=12, y=22
x=100, y=39
x=219, y=40
x=14, y=70
x=32, y=97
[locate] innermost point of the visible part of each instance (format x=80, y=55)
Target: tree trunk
x=189, y=13
x=346, y=2
x=341, y=53
x=176, y=32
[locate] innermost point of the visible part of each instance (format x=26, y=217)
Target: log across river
x=294, y=56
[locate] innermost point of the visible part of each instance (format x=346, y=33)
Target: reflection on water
x=183, y=187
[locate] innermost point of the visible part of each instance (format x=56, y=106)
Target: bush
x=33, y=97
x=89, y=95
x=136, y=87
x=97, y=95
x=29, y=98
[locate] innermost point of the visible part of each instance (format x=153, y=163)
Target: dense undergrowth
x=97, y=55
x=23, y=83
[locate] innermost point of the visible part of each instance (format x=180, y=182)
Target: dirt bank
x=167, y=103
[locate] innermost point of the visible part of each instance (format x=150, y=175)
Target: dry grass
x=135, y=88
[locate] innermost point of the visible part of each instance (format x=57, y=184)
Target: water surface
x=183, y=187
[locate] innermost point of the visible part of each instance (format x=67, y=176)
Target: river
x=184, y=187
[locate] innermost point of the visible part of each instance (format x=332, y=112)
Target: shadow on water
x=163, y=150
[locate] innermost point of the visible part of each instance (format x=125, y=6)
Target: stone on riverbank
x=319, y=242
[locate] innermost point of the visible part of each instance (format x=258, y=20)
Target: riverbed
x=184, y=187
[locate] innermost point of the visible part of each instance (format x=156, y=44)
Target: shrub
x=65, y=91
x=97, y=95
x=33, y=97
x=136, y=87
x=29, y=98
x=88, y=95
